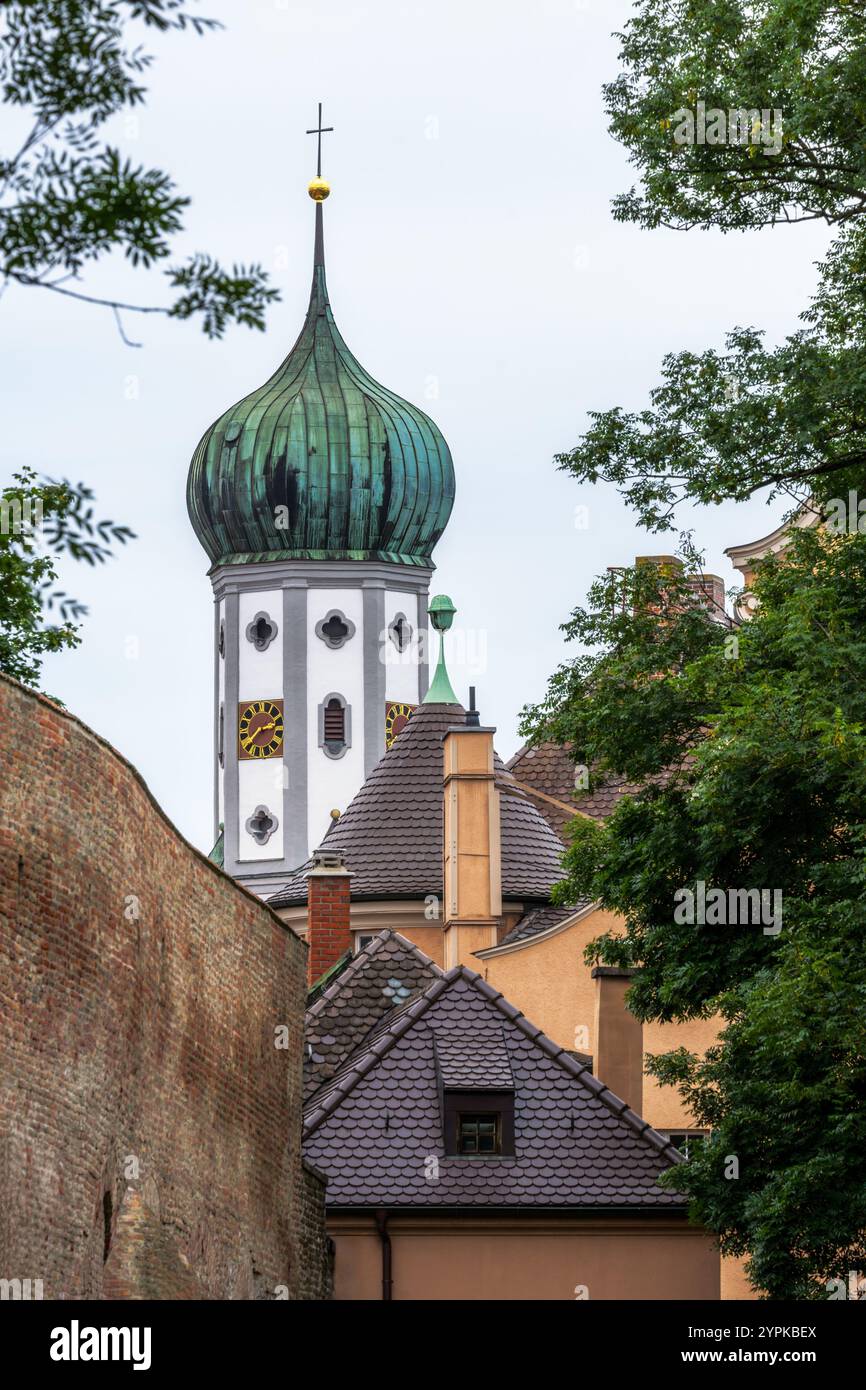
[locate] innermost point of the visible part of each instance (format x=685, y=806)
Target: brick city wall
x=149, y=1123
x=317, y=1250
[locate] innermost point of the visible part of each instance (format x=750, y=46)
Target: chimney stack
x=618, y=1054
x=329, y=930
x=473, y=867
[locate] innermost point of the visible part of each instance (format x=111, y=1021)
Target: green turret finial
x=441, y=612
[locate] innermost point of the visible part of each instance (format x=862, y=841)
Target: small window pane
x=478, y=1134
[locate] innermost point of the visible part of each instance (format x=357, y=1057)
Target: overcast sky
x=474, y=268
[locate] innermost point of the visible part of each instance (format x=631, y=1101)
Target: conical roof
x=321, y=462
x=391, y=835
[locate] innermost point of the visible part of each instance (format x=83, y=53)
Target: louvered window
x=335, y=722
x=335, y=725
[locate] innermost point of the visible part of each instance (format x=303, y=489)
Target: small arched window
x=335, y=726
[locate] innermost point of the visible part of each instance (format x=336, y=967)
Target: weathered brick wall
x=149, y=1123
x=317, y=1257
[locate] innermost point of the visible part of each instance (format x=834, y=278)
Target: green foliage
x=805, y=58
x=750, y=749
x=67, y=199
x=725, y=424
x=746, y=748
x=791, y=418
x=38, y=521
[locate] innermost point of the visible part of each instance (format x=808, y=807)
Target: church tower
x=319, y=498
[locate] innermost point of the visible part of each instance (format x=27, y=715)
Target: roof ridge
x=578, y=1070
x=360, y=959
x=370, y=948
x=568, y=915
x=408, y=1017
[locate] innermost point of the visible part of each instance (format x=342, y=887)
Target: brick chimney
x=329, y=933
x=473, y=859
x=708, y=589
x=618, y=1056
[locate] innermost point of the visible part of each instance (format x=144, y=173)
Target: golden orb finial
x=319, y=189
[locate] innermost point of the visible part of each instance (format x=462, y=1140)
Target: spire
x=319, y=246
x=441, y=612
x=318, y=190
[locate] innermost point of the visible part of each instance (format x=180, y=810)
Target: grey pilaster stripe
x=423, y=643
x=374, y=674
x=216, y=720
x=295, y=847
x=230, y=782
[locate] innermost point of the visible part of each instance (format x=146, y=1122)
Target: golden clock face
x=260, y=728
x=396, y=718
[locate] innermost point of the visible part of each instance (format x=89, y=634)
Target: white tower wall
x=299, y=787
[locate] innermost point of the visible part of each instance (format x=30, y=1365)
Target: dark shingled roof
x=391, y=835
x=375, y=1126
x=539, y=920
x=468, y=1061
x=546, y=774
x=388, y=972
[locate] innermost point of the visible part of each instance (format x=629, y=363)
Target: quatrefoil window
x=335, y=629
x=400, y=632
x=261, y=825
x=261, y=631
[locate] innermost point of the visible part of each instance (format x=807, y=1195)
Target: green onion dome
x=321, y=463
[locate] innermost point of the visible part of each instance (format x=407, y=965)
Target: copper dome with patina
x=321, y=462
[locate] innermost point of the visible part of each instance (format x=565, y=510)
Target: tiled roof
x=388, y=972
x=376, y=1128
x=468, y=1061
x=329, y=976
x=539, y=920
x=546, y=774
x=391, y=835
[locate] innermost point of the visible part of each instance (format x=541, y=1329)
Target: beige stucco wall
x=662, y=1105
x=527, y=1258
x=549, y=980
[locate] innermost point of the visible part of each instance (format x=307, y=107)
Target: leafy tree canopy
x=68, y=198
x=750, y=744
x=40, y=520
x=726, y=424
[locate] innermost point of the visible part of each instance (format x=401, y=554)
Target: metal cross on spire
x=319, y=130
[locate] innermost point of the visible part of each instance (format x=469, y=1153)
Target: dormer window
x=479, y=1124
